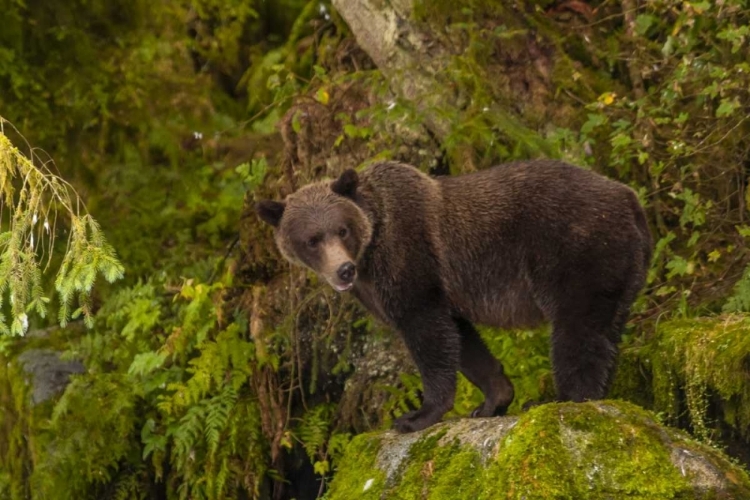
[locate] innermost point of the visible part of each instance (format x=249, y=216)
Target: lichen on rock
x=608, y=449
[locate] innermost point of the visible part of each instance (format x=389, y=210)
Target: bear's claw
x=415, y=421
x=482, y=412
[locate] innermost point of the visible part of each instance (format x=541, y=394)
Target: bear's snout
x=346, y=272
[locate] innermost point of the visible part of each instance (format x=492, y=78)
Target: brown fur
x=510, y=246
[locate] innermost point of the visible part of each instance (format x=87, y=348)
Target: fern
x=222, y=477
x=218, y=409
x=227, y=354
x=405, y=397
x=188, y=431
x=129, y=487
x=211, y=439
x=80, y=449
x=313, y=430
x=740, y=299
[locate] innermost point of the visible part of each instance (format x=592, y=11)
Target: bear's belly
x=510, y=306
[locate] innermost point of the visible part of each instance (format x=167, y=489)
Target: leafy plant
x=33, y=196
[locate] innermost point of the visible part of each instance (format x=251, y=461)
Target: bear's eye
x=343, y=233
x=313, y=242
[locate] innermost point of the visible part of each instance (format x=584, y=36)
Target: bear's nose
x=346, y=272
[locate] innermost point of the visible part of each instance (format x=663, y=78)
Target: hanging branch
x=31, y=197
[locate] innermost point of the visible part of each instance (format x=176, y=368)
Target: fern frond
x=217, y=416
x=188, y=431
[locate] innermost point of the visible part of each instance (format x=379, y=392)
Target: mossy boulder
x=693, y=361
x=602, y=450
x=695, y=373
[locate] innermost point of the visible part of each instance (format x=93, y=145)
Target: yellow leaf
x=322, y=96
x=286, y=440
x=607, y=98
x=321, y=467
x=714, y=256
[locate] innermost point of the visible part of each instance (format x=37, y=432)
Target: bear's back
x=509, y=235
x=535, y=201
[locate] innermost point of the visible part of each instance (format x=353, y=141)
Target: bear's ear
x=346, y=185
x=270, y=211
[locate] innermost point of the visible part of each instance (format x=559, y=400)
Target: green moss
x=571, y=451
x=487, y=125
x=689, y=359
x=357, y=475
x=438, y=471
x=437, y=11
x=16, y=419
x=526, y=468
x=587, y=453
x=491, y=126
x=631, y=381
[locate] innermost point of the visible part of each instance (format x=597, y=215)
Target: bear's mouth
x=342, y=287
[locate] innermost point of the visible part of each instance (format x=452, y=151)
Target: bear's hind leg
x=434, y=343
x=484, y=371
x=584, y=358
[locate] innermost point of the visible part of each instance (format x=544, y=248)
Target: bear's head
x=322, y=228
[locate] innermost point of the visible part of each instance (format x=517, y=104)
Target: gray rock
x=50, y=374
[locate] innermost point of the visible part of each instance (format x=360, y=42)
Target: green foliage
x=277, y=75
x=314, y=433
x=220, y=30
x=525, y=358
x=180, y=217
x=404, y=397
x=204, y=424
x=487, y=126
x=89, y=254
x=253, y=173
x=84, y=76
x=672, y=125
x=182, y=393
x=172, y=385
x=90, y=437
x=33, y=195
x=740, y=299
x=16, y=417
x=169, y=395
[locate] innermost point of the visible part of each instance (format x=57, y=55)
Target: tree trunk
x=412, y=59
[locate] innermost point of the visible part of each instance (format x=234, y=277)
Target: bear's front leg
x=435, y=345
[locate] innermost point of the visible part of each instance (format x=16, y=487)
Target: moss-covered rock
x=603, y=450
x=702, y=356
x=695, y=373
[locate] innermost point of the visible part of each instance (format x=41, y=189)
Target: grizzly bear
x=510, y=246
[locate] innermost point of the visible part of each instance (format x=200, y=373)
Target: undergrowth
x=214, y=365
